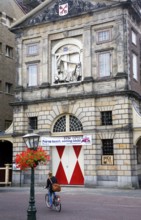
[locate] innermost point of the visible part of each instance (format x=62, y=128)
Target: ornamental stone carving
x=64, y=8
x=67, y=61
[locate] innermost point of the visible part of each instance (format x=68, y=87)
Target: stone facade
x=64, y=42
x=7, y=61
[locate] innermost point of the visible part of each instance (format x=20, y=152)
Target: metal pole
x=31, y=211
x=7, y=174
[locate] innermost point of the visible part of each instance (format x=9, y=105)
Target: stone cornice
x=89, y=95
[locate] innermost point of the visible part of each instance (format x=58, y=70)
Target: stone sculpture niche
x=68, y=67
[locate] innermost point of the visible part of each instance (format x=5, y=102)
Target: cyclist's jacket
x=49, y=183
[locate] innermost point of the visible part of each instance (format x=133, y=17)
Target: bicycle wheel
x=57, y=203
x=47, y=200
x=58, y=207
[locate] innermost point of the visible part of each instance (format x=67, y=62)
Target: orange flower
x=31, y=158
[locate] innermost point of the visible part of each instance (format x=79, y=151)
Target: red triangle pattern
x=60, y=175
x=60, y=150
x=77, y=176
x=77, y=150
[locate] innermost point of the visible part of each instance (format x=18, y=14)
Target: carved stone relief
x=67, y=64
x=69, y=8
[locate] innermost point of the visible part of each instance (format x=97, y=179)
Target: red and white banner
x=63, y=9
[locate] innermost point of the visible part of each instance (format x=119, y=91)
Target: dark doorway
x=139, y=161
x=6, y=155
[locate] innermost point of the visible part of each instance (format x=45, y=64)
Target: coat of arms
x=63, y=9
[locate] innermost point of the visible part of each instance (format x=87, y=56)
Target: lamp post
x=31, y=140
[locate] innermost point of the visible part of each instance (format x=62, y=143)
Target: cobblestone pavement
x=77, y=203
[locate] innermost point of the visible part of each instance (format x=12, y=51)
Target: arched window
x=60, y=125
x=67, y=123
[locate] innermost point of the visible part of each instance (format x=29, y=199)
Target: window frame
x=9, y=51
x=67, y=126
x=110, y=63
x=135, y=65
x=134, y=37
x=33, y=121
x=7, y=124
x=30, y=81
x=102, y=31
x=28, y=53
x=105, y=145
x=106, y=118
x=8, y=88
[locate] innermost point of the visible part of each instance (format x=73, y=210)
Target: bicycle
x=56, y=203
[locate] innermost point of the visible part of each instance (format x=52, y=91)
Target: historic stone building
x=79, y=87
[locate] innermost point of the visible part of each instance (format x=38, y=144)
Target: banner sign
x=69, y=140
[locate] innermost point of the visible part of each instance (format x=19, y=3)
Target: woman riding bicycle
x=50, y=180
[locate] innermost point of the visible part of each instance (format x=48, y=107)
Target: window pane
x=7, y=123
x=104, y=64
x=107, y=146
x=106, y=118
x=60, y=125
x=103, y=36
x=33, y=123
x=32, y=49
x=135, y=68
x=9, y=51
x=32, y=75
x=134, y=38
x=8, y=87
x=75, y=124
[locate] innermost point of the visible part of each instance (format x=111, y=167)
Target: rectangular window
x=32, y=49
x=103, y=36
x=9, y=51
x=134, y=38
x=104, y=64
x=8, y=87
x=33, y=123
x=32, y=74
x=106, y=118
x=135, y=66
x=107, y=147
x=7, y=123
